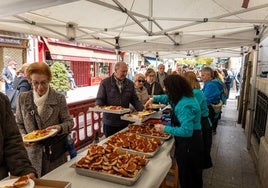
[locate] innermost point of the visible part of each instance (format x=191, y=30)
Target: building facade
x=90, y=64
x=13, y=46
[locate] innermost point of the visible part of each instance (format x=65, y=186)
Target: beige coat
x=142, y=94
x=55, y=112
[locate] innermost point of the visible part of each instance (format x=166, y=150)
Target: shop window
x=102, y=69
x=91, y=70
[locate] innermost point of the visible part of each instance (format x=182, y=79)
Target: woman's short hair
x=149, y=71
x=39, y=68
x=208, y=70
x=139, y=76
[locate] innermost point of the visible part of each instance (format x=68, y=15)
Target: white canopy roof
x=170, y=27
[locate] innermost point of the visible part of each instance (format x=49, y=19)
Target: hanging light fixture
x=245, y=4
x=71, y=30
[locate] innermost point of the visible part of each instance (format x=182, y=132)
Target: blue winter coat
x=212, y=92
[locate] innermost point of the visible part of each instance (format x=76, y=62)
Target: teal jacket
x=201, y=99
x=187, y=112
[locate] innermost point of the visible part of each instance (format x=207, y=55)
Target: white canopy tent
x=173, y=28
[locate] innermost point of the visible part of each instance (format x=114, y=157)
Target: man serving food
x=117, y=90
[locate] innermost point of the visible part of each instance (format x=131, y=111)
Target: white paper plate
x=98, y=109
x=157, y=106
x=9, y=182
x=51, y=133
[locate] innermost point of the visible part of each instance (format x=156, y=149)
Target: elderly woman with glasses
x=153, y=87
x=141, y=91
x=44, y=109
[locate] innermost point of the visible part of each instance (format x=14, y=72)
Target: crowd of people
x=194, y=115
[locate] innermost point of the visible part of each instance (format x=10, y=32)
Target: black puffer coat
x=13, y=156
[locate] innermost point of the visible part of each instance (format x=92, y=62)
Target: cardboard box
x=44, y=183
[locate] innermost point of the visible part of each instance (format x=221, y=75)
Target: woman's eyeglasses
x=141, y=81
x=42, y=83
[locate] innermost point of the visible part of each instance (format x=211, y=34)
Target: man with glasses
x=117, y=90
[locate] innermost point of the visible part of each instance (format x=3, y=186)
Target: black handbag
x=55, y=146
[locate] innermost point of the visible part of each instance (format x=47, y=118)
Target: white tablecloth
x=154, y=172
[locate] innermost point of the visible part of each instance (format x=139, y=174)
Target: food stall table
x=152, y=176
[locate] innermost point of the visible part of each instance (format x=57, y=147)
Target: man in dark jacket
x=8, y=74
x=117, y=90
x=13, y=156
x=161, y=74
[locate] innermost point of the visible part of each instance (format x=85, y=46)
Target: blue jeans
x=8, y=86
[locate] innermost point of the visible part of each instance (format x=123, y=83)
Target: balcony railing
x=260, y=115
x=87, y=125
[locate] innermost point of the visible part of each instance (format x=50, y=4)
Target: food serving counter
x=152, y=176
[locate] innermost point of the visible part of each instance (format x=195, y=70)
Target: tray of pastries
x=110, y=164
x=138, y=116
x=135, y=143
x=147, y=130
x=110, y=109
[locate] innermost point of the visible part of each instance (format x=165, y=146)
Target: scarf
x=40, y=101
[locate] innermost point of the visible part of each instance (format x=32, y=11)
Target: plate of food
x=110, y=109
x=22, y=182
x=38, y=135
x=138, y=116
x=157, y=106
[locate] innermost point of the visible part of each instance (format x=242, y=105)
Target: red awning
x=71, y=53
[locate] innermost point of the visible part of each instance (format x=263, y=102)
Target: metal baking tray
x=131, y=151
x=162, y=138
x=147, y=155
x=109, y=177
x=150, y=136
x=98, y=109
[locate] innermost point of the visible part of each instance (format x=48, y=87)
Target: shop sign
x=11, y=41
x=95, y=80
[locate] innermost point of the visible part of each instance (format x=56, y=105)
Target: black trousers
x=110, y=130
x=207, y=139
x=189, y=157
x=212, y=118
